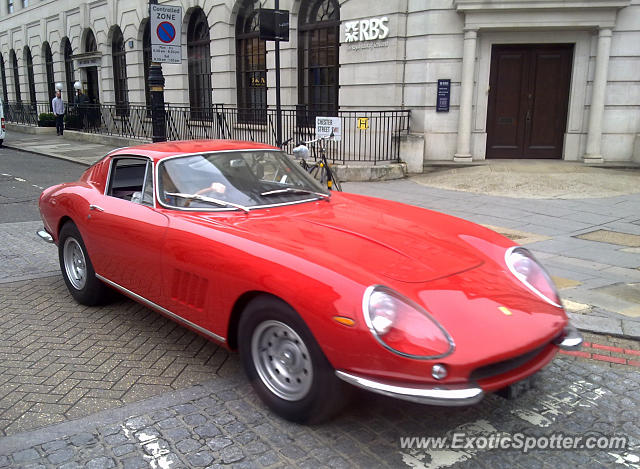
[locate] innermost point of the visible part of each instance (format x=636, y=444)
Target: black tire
x=326, y=394
x=85, y=288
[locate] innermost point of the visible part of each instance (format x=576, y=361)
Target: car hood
x=389, y=240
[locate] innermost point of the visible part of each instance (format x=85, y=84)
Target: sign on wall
x=329, y=127
x=166, y=33
x=370, y=29
x=444, y=93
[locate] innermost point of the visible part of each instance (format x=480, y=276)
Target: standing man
x=58, y=111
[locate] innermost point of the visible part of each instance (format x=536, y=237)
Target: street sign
x=329, y=127
x=274, y=24
x=166, y=33
x=363, y=123
x=444, y=93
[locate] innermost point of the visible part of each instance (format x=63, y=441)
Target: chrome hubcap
x=282, y=360
x=74, y=263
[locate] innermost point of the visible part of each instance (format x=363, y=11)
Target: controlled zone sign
x=166, y=33
x=329, y=127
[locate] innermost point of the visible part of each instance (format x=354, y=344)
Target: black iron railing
x=367, y=136
x=24, y=112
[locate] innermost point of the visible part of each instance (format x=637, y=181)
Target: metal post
x=156, y=86
x=278, y=103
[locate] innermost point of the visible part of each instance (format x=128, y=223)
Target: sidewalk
x=582, y=222
x=64, y=148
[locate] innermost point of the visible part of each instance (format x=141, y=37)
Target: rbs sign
x=366, y=30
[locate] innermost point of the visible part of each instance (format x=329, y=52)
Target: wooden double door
x=528, y=100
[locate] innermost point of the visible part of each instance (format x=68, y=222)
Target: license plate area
x=517, y=389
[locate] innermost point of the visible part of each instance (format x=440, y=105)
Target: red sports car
x=315, y=289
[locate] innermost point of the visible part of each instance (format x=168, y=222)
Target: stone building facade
x=528, y=78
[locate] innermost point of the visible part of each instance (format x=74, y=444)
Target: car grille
x=498, y=368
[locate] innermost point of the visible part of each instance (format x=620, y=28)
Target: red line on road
x=607, y=347
x=606, y=358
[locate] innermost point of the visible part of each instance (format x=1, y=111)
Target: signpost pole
x=278, y=102
x=156, y=86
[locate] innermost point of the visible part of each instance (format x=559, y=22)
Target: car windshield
x=234, y=181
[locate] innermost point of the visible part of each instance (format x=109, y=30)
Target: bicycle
x=320, y=170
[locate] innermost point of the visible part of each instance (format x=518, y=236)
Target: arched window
x=3, y=73
x=251, y=59
x=30, y=77
x=69, y=72
x=318, y=42
x=48, y=65
x=119, y=71
x=90, y=44
x=16, y=75
x=199, y=58
x=146, y=59
x=93, y=89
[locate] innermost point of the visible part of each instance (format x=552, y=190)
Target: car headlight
x=402, y=326
x=528, y=270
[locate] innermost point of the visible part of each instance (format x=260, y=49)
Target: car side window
x=128, y=179
x=147, y=190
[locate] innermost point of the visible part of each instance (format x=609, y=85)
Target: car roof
x=159, y=151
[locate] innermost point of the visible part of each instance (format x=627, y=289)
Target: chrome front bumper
x=570, y=339
x=436, y=395
x=45, y=236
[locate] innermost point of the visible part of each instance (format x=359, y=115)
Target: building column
x=596, y=111
x=463, y=149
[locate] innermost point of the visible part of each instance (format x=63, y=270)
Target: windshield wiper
x=295, y=190
x=203, y=198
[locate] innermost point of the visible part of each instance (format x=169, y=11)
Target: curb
x=43, y=153
x=625, y=329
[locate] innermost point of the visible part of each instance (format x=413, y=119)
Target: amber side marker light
x=344, y=321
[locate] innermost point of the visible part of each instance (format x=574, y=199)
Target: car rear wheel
x=285, y=364
x=77, y=269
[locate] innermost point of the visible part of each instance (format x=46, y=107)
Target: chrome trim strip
x=437, y=395
x=96, y=207
x=45, y=236
x=151, y=304
x=365, y=312
x=527, y=284
x=570, y=339
x=198, y=209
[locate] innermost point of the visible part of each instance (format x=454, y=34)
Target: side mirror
x=301, y=152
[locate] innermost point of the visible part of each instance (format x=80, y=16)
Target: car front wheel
x=285, y=364
x=77, y=269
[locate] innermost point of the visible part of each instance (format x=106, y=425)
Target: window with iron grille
x=120, y=73
x=16, y=75
x=318, y=64
x=146, y=59
x=251, y=59
x=30, y=77
x=68, y=70
x=199, y=59
x=3, y=73
x=48, y=65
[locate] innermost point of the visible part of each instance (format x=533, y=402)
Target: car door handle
x=96, y=207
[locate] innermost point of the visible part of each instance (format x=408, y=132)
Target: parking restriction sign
x=166, y=32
